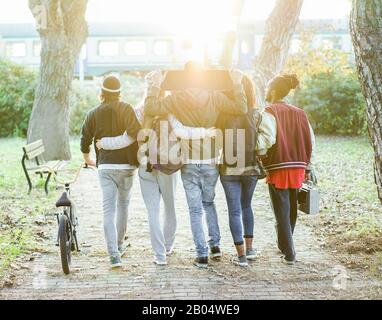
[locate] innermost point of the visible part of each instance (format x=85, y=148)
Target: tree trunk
x=231, y=36
x=366, y=31
x=63, y=30
x=280, y=28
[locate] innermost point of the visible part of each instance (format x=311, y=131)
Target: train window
x=108, y=48
x=16, y=49
x=36, y=48
x=162, y=47
x=136, y=48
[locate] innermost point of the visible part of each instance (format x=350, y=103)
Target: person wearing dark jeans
x=285, y=209
x=239, y=193
x=239, y=181
x=288, y=162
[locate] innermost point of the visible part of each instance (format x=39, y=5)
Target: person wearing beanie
x=116, y=168
x=288, y=161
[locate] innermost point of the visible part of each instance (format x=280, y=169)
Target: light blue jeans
x=116, y=193
x=199, y=181
x=154, y=186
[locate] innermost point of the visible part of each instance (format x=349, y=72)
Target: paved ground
x=317, y=275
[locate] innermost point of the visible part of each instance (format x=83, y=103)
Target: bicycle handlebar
x=51, y=171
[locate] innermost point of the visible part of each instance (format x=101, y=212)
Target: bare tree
x=280, y=28
x=63, y=30
x=366, y=31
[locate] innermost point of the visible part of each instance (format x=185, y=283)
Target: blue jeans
x=239, y=193
x=199, y=181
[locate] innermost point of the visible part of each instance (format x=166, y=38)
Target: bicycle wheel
x=65, y=241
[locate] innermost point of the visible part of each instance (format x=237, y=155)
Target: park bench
x=33, y=162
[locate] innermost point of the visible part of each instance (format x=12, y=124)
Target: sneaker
x=288, y=262
x=251, y=254
x=160, y=262
x=169, y=252
x=123, y=249
x=115, y=262
x=240, y=261
x=215, y=253
x=201, y=262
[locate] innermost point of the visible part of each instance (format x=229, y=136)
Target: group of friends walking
x=276, y=143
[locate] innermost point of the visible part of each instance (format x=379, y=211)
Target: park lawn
x=349, y=224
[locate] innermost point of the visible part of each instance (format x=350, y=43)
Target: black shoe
x=201, y=262
x=215, y=253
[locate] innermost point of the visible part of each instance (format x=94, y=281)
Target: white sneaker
x=241, y=262
x=115, y=262
x=251, y=254
x=159, y=262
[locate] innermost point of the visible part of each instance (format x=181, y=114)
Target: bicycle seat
x=64, y=201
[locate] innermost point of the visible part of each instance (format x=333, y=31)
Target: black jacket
x=111, y=119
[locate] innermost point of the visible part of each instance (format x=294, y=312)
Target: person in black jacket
x=116, y=167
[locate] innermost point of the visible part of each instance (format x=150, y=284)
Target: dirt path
x=315, y=276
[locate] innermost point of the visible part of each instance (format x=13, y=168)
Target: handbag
x=309, y=199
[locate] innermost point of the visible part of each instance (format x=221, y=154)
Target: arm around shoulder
x=267, y=134
x=236, y=106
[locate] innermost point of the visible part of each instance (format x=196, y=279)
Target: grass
x=22, y=216
x=349, y=224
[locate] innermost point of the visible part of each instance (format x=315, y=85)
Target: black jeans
x=284, y=204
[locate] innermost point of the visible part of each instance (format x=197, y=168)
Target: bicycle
x=67, y=222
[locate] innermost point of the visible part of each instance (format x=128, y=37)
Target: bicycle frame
x=70, y=214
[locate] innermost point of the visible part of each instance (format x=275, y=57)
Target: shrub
x=17, y=85
x=82, y=99
x=133, y=88
x=330, y=91
x=334, y=103
x=17, y=88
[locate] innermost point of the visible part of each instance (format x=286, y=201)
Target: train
x=126, y=47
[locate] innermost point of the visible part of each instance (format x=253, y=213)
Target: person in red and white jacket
x=288, y=161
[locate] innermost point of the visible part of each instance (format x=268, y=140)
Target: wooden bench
x=33, y=161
